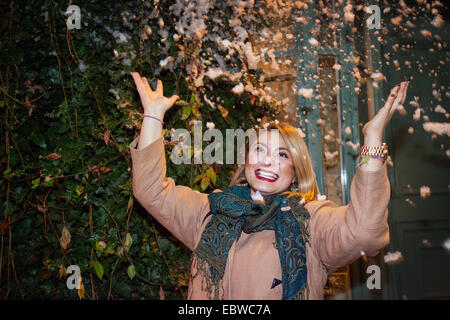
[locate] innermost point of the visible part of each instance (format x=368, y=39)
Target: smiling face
x=269, y=169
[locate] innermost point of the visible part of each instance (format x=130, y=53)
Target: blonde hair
x=305, y=185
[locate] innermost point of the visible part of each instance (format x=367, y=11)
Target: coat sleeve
x=178, y=208
x=339, y=234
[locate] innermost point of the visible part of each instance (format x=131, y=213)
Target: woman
x=267, y=237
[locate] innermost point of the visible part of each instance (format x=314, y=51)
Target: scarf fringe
x=303, y=294
x=213, y=287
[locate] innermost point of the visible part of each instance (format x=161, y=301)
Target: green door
x=419, y=225
x=331, y=51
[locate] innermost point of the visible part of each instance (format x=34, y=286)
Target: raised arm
x=178, y=208
x=340, y=234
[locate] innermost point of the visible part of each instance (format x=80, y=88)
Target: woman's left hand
x=374, y=129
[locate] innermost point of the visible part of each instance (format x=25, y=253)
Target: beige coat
x=337, y=234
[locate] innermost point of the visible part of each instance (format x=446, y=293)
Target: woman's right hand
x=154, y=102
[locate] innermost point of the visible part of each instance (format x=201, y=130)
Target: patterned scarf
x=234, y=211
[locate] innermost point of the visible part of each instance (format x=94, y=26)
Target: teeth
x=267, y=175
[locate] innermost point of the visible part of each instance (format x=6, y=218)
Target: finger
x=146, y=84
x=159, y=87
x=401, y=95
x=400, y=99
x=138, y=81
x=405, y=91
x=173, y=99
x=390, y=100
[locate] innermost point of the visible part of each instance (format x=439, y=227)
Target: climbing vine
x=69, y=110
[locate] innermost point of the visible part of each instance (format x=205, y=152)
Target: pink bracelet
x=146, y=115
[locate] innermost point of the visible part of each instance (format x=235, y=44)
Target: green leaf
x=182, y=103
x=128, y=240
x=130, y=204
x=186, y=113
x=48, y=183
x=198, y=178
x=212, y=175
x=7, y=171
x=205, y=183
x=35, y=183
x=193, y=99
x=98, y=267
x=131, y=271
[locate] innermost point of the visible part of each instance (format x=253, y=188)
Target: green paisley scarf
x=233, y=211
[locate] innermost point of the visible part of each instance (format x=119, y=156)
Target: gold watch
x=375, y=152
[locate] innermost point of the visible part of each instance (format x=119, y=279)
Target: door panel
x=418, y=225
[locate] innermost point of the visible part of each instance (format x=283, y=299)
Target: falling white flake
x=401, y=109
x=82, y=66
x=313, y=42
x=410, y=202
x=238, y=89
x=348, y=131
x=438, y=128
x=425, y=192
x=440, y=109
x=446, y=245
x=416, y=115
x=306, y=92
x=394, y=257
x=163, y=63
x=302, y=134
x=438, y=21
x=377, y=76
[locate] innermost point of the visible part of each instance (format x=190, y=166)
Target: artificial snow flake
x=416, y=115
x=446, y=245
x=214, y=73
x=120, y=37
x=348, y=130
x=209, y=102
x=377, y=76
x=331, y=155
x=440, y=109
x=337, y=66
x=425, y=192
x=163, y=63
x=238, y=89
x=438, y=128
x=302, y=134
x=161, y=23
x=257, y=197
x=353, y=145
x=148, y=30
x=438, y=21
x=252, y=59
x=401, y=109
x=306, y=92
x=426, y=33
x=313, y=42
x=394, y=257
x=410, y=202
x=348, y=13
x=82, y=66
